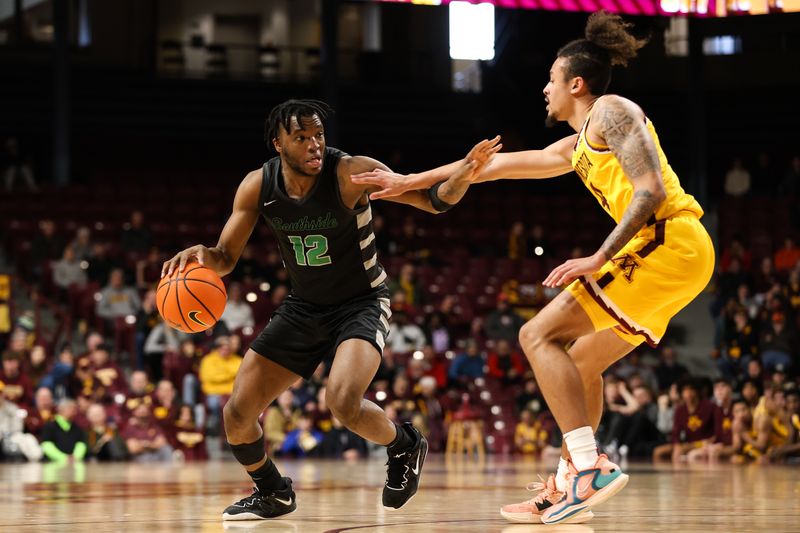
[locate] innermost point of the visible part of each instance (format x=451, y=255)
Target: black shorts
x=301, y=334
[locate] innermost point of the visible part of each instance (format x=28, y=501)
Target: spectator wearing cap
x=503, y=322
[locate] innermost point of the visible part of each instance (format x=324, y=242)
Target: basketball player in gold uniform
x=654, y=262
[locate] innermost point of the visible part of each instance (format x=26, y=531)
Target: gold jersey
x=602, y=174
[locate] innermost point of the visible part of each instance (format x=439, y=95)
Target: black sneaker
x=258, y=506
x=402, y=475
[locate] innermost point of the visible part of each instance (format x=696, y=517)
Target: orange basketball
x=192, y=300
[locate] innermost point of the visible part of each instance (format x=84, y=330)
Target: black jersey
x=328, y=249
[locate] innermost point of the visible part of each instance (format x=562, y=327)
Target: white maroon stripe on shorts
x=626, y=322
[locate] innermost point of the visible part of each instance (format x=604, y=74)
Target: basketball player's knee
x=344, y=403
x=233, y=416
x=532, y=336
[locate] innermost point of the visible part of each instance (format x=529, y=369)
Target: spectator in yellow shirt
x=217, y=372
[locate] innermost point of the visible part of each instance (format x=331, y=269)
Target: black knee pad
x=248, y=454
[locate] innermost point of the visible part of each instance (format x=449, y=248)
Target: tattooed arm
x=621, y=124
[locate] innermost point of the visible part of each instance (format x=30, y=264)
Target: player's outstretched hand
x=480, y=155
x=178, y=262
x=573, y=269
x=391, y=183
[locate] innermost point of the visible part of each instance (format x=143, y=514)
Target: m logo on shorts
x=627, y=264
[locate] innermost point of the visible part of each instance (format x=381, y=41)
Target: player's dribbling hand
x=178, y=262
x=573, y=269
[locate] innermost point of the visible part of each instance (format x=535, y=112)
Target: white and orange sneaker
x=585, y=489
x=530, y=512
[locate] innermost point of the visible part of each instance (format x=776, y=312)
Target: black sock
x=267, y=478
x=402, y=442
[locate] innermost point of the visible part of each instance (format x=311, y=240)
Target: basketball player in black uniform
x=339, y=302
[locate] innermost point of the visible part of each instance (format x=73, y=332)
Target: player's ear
x=577, y=86
x=276, y=144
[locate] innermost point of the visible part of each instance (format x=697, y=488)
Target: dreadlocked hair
x=282, y=115
x=607, y=43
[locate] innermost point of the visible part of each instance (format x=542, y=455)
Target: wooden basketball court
x=335, y=496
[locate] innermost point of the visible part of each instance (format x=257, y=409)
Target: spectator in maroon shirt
x=182, y=369
x=722, y=445
x=165, y=407
x=190, y=440
x=145, y=440
x=17, y=387
x=42, y=412
x=108, y=380
x=695, y=422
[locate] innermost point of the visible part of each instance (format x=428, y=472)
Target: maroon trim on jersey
x=628, y=328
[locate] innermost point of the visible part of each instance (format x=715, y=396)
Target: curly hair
x=607, y=43
x=282, y=115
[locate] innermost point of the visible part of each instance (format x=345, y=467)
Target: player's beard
x=297, y=167
x=550, y=121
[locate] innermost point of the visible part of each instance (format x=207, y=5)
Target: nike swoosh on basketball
x=284, y=502
x=270, y=202
x=193, y=318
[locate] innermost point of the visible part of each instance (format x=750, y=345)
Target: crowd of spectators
x=122, y=385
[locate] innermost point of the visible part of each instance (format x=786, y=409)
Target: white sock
x=582, y=447
x=561, y=474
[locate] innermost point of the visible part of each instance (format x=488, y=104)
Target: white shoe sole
x=530, y=518
x=250, y=516
x=599, y=497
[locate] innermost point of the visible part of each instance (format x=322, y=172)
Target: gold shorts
x=661, y=269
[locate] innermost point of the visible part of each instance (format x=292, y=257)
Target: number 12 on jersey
x=310, y=251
